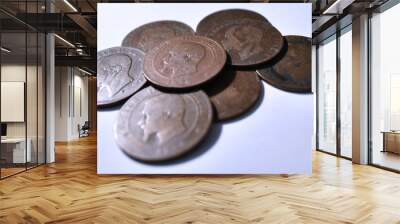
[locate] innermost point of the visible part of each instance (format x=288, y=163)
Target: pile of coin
x=176, y=82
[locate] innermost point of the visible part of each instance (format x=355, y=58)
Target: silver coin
x=119, y=74
x=155, y=126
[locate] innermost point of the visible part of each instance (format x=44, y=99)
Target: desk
x=391, y=141
x=13, y=150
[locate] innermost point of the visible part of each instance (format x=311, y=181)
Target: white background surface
x=274, y=137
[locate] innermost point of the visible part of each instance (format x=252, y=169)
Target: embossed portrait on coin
x=113, y=75
x=162, y=118
x=151, y=37
x=182, y=59
x=246, y=40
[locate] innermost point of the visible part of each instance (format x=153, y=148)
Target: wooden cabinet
x=391, y=142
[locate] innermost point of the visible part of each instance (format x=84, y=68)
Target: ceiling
x=75, y=22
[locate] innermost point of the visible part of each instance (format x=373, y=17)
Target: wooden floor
x=387, y=159
x=10, y=171
x=70, y=191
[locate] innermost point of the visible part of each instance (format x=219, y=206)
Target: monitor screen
x=3, y=129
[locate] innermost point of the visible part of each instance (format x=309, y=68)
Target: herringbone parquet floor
x=70, y=191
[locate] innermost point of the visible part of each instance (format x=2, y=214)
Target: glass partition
x=23, y=89
x=41, y=97
x=32, y=89
x=13, y=94
x=31, y=99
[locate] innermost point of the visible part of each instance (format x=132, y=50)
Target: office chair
x=84, y=130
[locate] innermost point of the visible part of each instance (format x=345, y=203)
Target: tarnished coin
x=184, y=62
x=155, y=126
x=249, y=39
x=152, y=34
x=212, y=20
x=119, y=74
x=234, y=92
x=293, y=72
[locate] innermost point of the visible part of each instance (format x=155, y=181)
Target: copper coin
x=293, y=72
x=234, y=92
x=213, y=19
x=155, y=126
x=152, y=34
x=119, y=74
x=183, y=62
x=248, y=39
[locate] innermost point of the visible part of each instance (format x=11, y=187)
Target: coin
x=155, y=126
x=152, y=34
x=249, y=40
x=213, y=19
x=234, y=92
x=293, y=72
x=119, y=74
x=183, y=62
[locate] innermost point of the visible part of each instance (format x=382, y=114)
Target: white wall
x=80, y=109
x=11, y=73
x=16, y=73
x=71, y=102
x=62, y=82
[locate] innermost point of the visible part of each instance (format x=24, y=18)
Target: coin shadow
x=115, y=107
x=208, y=142
x=111, y=107
x=250, y=111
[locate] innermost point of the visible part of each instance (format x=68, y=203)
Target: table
x=13, y=150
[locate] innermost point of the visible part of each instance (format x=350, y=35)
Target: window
x=346, y=92
x=327, y=96
x=335, y=74
x=385, y=89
